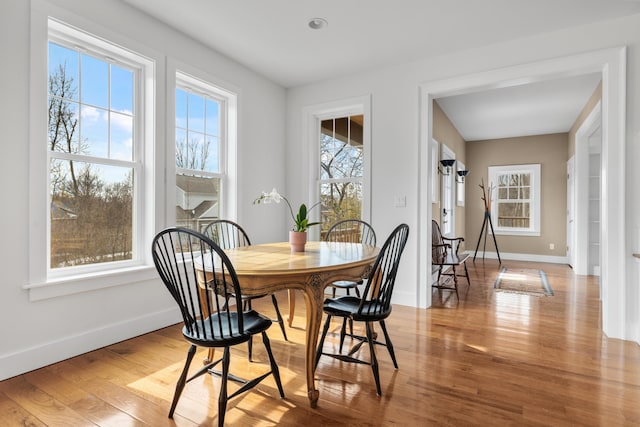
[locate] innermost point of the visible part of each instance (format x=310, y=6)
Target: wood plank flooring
x=492, y=358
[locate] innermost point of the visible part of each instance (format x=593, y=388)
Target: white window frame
x=182, y=75
x=191, y=84
x=534, y=200
x=57, y=25
x=313, y=118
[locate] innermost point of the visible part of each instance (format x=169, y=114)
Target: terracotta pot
x=297, y=240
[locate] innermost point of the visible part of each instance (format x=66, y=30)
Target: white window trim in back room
x=534, y=199
x=41, y=283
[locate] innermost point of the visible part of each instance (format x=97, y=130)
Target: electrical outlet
x=552, y=246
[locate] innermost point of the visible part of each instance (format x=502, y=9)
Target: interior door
x=571, y=204
x=447, y=199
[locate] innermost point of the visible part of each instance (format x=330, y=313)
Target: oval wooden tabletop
x=277, y=258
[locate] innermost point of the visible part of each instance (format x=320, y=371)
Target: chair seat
x=347, y=306
x=225, y=331
x=346, y=284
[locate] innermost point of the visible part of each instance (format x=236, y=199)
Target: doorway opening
x=612, y=64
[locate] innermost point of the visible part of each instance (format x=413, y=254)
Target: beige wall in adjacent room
x=550, y=151
x=446, y=133
x=591, y=103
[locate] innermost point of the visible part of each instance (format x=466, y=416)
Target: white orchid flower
x=274, y=196
x=301, y=221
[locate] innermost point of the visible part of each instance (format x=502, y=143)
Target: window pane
x=181, y=108
x=91, y=213
x=121, y=135
x=213, y=117
x=63, y=126
x=121, y=90
x=63, y=72
x=340, y=201
x=341, y=153
x=515, y=215
x=197, y=201
x=513, y=194
x=196, y=113
x=194, y=149
x=95, y=82
x=211, y=153
x=94, y=132
x=181, y=148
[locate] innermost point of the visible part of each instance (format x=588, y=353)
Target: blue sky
x=103, y=101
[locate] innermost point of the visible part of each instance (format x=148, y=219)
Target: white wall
x=34, y=334
x=395, y=131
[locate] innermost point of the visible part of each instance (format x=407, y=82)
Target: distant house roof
x=197, y=184
x=208, y=209
x=197, y=197
x=60, y=210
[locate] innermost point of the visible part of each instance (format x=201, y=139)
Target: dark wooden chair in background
x=445, y=258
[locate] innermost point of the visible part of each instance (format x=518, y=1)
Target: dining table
x=271, y=267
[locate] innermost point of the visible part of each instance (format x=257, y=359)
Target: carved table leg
x=313, y=298
x=292, y=305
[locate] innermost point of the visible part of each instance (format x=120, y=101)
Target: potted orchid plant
x=298, y=235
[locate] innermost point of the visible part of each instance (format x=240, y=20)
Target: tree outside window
x=91, y=158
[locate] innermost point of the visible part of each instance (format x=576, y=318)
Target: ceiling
x=533, y=109
x=273, y=38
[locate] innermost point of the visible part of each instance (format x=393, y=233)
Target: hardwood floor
x=489, y=359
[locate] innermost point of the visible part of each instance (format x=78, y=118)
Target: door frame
x=571, y=213
x=611, y=63
x=590, y=125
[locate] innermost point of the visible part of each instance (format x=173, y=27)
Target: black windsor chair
x=203, y=282
x=350, y=231
x=374, y=306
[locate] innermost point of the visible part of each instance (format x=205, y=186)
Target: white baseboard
x=521, y=257
x=404, y=298
x=42, y=355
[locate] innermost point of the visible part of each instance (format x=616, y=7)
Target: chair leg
x=374, y=359
x=222, y=398
x=388, y=343
x=247, y=306
x=343, y=332
x=279, y=316
x=182, y=380
x=274, y=366
x=333, y=294
x=455, y=281
x=466, y=273
x=321, y=343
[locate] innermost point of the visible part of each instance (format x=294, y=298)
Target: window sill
x=517, y=233
x=89, y=282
